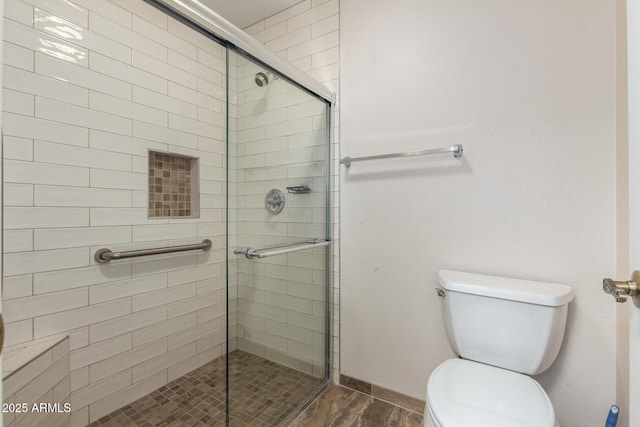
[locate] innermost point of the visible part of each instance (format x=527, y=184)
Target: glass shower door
x=113, y=160
x=278, y=238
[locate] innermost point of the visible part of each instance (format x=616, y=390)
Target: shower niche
x=173, y=185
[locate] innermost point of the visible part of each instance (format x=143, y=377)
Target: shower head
x=262, y=78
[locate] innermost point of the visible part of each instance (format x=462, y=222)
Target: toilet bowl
x=503, y=330
x=464, y=393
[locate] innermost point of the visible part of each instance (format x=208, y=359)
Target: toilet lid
x=462, y=393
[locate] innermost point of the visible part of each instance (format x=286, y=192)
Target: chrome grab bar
x=455, y=149
x=281, y=248
x=105, y=255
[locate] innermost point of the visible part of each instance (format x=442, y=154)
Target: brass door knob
x=621, y=290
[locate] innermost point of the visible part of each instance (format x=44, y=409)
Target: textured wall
x=89, y=87
x=529, y=89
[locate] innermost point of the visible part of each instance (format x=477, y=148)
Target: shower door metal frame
x=200, y=17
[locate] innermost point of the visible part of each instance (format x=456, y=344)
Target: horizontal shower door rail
x=455, y=149
x=282, y=248
x=105, y=255
x=201, y=15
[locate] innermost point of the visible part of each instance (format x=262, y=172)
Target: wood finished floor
x=342, y=407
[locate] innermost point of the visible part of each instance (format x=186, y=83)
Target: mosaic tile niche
x=173, y=186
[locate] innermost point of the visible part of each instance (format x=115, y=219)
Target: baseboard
x=398, y=399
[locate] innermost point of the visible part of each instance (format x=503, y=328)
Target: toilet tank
x=509, y=323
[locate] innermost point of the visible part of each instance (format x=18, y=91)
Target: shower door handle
x=280, y=249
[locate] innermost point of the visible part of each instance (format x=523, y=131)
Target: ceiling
x=243, y=13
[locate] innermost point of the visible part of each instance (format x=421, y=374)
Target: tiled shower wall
x=306, y=35
x=89, y=87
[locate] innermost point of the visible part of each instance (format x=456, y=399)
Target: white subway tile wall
x=91, y=86
x=280, y=142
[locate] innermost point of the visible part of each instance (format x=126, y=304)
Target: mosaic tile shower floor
x=263, y=394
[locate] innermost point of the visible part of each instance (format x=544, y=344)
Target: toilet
x=503, y=330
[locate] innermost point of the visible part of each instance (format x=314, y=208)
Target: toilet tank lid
x=529, y=291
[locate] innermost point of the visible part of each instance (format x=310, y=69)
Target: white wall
x=79, y=118
x=529, y=89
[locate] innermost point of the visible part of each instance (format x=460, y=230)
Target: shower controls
x=274, y=201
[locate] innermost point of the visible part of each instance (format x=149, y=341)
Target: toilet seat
x=462, y=393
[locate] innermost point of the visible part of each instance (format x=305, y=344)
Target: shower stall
x=166, y=214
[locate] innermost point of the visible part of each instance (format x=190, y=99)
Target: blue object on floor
x=612, y=419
